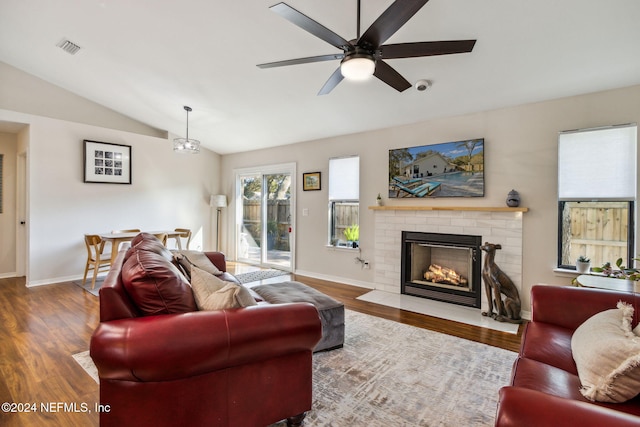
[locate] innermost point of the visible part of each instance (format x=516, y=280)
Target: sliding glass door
x=250, y=235
x=265, y=216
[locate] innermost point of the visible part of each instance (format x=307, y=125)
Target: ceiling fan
x=363, y=56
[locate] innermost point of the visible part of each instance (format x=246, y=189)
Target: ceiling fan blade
x=297, y=61
x=389, y=22
x=390, y=76
x=333, y=81
x=412, y=50
x=309, y=25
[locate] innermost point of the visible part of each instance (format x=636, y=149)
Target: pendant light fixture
x=186, y=145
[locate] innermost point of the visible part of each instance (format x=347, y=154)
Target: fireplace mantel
x=447, y=208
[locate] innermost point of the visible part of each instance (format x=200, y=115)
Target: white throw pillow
x=607, y=355
x=212, y=293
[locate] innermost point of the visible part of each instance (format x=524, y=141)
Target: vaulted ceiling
x=148, y=58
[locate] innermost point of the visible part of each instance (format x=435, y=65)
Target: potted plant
x=352, y=234
x=583, y=264
x=379, y=200
x=621, y=272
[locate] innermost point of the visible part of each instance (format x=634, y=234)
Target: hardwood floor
x=42, y=327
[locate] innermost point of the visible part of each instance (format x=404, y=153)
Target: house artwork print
x=450, y=169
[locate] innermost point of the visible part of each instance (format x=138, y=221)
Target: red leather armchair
x=239, y=367
x=544, y=388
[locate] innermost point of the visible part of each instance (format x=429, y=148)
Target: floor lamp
x=218, y=201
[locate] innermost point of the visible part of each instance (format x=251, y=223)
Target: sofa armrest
x=173, y=346
x=521, y=407
x=218, y=259
x=569, y=307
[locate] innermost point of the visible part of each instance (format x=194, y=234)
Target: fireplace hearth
x=443, y=267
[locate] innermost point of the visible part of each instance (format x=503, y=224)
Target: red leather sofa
x=544, y=388
x=238, y=367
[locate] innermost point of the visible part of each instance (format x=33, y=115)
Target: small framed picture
x=311, y=181
x=107, y=163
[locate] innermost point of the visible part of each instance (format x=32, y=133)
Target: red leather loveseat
x=545, y=386
x=237, y=367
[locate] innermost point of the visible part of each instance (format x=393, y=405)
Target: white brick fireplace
x=496, y=225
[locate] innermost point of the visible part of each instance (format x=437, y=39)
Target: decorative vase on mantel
x=513, y=199
x=379, y=200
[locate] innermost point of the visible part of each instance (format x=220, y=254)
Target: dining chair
x=185, y=233
x=96, y=259
x=162, y=237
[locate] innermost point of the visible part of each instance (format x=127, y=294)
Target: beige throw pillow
x=212, y=293
x=607, y=355
x=187, y=259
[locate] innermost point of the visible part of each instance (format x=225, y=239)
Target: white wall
x=168, y=191
x=520, y=153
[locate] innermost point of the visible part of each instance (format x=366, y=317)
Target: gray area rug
x=84, y=360
x=391, y=374
x=254, y=276
x=87, y=285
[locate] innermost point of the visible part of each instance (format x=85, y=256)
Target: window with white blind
x=596, y=195
x=344, y=201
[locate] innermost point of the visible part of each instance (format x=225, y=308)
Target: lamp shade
x=218, y=201
x=357, y=67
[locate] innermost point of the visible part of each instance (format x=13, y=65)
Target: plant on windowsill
x=352, y=234
x=621, y=272
x=583, y=264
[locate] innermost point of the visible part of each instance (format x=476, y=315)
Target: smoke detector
x=422, y=85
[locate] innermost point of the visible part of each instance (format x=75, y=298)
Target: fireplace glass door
x=443, y=267
x=447, y=267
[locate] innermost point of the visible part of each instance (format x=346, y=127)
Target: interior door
x=265, y=216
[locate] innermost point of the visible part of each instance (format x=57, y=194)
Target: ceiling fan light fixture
x=357, y=67
x=186, y=145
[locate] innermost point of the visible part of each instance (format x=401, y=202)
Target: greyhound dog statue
x=496, y=283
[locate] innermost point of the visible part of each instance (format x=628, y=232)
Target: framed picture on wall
x=311, y=181
x=107, y=163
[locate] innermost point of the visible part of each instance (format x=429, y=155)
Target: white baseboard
x=55, y=280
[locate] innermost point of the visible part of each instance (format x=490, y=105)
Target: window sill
x=342, y=248
x=567, y=272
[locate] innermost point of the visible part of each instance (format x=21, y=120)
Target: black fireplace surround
x=456, y=260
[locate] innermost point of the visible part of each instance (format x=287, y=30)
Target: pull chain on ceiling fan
x=363, y=56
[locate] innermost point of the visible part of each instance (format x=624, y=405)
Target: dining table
x=117, y=238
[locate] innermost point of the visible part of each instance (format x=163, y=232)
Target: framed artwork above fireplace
x=450, y=169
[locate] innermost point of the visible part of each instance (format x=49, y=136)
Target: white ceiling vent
x=68, y=46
